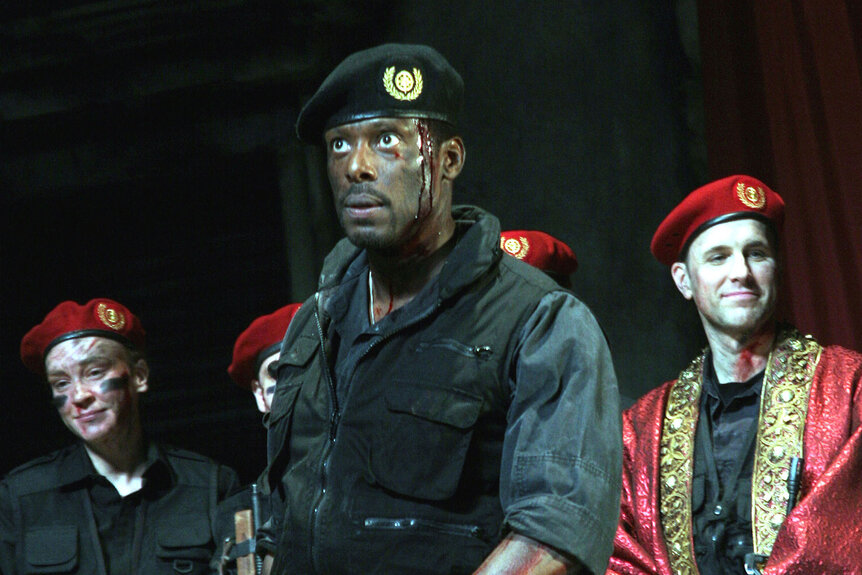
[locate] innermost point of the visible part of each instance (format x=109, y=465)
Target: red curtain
x=783, y=102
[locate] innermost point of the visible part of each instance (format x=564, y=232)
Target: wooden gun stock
x=244, y=523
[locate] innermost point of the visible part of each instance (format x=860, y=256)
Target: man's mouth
x=362, y=205
x=88, y=416
x=741, y=295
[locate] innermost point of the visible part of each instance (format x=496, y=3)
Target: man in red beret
x=750, y=461
x=543, y=251
x=256, y=349
x=113, y=502
x=255, y=354
x=440, y=407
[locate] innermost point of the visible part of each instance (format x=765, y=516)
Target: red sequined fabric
x=822, y=535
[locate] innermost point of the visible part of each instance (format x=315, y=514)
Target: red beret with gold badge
x=540, y=250
x=260, y=339
x=724, y=200
x=99, y=317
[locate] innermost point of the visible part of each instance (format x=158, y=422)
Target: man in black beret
x=440, y=408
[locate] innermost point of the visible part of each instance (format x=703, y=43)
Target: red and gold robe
x=822, y=534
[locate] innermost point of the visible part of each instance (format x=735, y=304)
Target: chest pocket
x=293, y=370
x=184, y=548
x=421, y=448
x=51, y=549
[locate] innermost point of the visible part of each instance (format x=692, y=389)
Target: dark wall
x=583, y=119
x=156, y=165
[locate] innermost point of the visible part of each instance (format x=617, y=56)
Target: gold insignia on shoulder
x=751, y=196
x=112, y=318
x=405, y=85
x=517, y=247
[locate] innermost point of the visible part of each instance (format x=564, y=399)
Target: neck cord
x=370, y=298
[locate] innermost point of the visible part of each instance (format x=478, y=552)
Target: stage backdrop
x=783, y=100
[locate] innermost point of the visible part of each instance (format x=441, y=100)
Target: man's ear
x=679, y=271
x=142, y=375
x=259, y=396
x=452, y=157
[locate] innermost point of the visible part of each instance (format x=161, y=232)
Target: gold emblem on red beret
x=405, y=85
x=751, y=196
x=517, y=247
x=111, y=317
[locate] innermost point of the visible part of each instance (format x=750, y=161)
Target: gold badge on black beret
x=405, y=85
x=387, y=81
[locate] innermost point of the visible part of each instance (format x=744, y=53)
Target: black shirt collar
x=727, y=393
x=80, y=468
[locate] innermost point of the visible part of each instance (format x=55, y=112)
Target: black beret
x=388, y=81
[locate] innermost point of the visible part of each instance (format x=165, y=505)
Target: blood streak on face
x=426, y=161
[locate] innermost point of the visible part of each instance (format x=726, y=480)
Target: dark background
x=148, y=156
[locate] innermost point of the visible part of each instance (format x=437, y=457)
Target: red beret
x=720, y=201
x=259, y=340
x=540, y=250
x=100, y=317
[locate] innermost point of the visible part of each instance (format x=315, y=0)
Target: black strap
x=242, y=549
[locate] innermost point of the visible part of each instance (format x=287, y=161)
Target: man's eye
x=338, y=145
x=389, y=140
x=716, y=258
x=59, y=385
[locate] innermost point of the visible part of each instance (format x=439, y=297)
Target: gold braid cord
x=675, y=467
x=783, y=407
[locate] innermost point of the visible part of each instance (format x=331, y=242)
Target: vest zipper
x=385, y=523
x=334, y=413
x=335, y=417
x=478, y=351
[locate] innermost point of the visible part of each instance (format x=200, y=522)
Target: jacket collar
x=477, y=250
x=76, y=466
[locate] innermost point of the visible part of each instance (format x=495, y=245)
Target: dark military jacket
x=411, y=445
x=48, y=519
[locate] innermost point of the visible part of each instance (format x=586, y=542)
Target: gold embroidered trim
x=676, y=465
x=783, y=407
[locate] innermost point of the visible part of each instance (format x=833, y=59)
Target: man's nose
x=361, y=167
x=739, y=268
x=81, y=392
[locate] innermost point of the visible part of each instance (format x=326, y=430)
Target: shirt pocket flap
x=50, y=549
x=189, y=539
x=300, y=352
x=442, y=405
